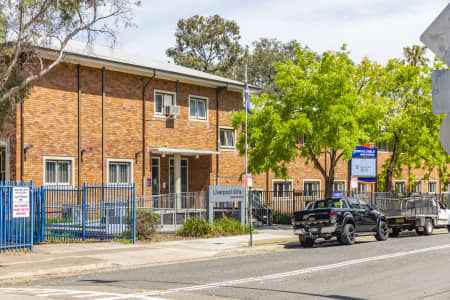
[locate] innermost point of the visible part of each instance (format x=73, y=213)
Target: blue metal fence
x=16, y=219
x=94, y=211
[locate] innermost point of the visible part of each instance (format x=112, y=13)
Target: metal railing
x=93, y=211
x=174, y=208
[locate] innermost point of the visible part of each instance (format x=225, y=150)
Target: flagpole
x=248, y=189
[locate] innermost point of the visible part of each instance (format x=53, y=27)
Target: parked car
x=419, y=213
x=344, y=218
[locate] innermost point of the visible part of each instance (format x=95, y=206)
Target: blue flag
x=248, y=104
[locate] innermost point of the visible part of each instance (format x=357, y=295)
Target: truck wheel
x=382, y=231
x=428, y=228
x=307, y=242
x=348, y=234
x=395, y=232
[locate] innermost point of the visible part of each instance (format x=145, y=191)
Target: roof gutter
x=143, y=71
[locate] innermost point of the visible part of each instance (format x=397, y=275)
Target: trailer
x=419, y=213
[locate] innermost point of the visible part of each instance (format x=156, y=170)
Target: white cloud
x=378, y=29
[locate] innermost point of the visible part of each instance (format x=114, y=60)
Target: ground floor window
x=58, y=171
x=399, y=186
x=3, y=164
x=282, y=188
x=417, y=188
x=362, y=188
x=119, y=171
x=339, y=186
x=432, y=187
x=311, y=188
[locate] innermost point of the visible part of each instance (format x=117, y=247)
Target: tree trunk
x=390, y=169
x=329, y=185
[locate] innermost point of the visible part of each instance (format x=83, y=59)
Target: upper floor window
x=163, y=99
x=58, y=171
x=198, y=108
x=227, y=139
x=119, y=172
x=382, y=147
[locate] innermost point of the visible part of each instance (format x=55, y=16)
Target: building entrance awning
x=181, y=151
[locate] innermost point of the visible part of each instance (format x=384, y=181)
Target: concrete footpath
x=65, y=259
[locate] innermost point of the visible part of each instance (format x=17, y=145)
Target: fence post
x=31, y=234
x=134, y=213
x=293, y=201
x=83, y=206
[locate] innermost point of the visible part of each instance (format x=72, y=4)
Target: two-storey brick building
x=103, y=115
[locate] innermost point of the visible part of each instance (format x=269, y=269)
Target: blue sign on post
x=365, y=151
x=149, y=182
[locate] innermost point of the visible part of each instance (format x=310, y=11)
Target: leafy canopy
x=321, y=100
x=209, y=44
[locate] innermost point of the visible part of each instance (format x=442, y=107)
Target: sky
x=378, y=29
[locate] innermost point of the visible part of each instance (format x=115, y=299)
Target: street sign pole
x=437, y=38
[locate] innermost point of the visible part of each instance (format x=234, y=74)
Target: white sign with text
x=364, y=167
x=21, y=202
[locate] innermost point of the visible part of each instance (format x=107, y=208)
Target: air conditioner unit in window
x=172, y=110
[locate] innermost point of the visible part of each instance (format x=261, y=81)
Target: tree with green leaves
x=209, y=44
x=26, y=26
x=321, y=99
x=410, y=128
x=261, y=59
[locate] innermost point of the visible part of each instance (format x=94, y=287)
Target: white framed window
x=399, y=186
x=227, y=137
x=120, y=171
x=362, y=188
x=311, y=187
x=445, y=188
x=432, y=187
x=198, y=108
x=163, y=99
x=417, y=188
x=339, y=186
x=281, y=188
x=58, y=170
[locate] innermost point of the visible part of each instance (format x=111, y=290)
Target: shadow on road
x=340, y=297
x=321, y=244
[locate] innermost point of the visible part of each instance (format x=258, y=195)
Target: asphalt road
x=409, y=267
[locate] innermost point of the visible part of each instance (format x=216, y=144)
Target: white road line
x=83, y=294
x=297, y=272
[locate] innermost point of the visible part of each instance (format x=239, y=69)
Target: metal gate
x=93, y=211
x=16, y=216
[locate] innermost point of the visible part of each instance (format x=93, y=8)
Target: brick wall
x=51, y=116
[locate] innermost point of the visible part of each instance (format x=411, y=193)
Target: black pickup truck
x=343, y=218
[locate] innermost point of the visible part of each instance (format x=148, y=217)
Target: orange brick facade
x=51, y=127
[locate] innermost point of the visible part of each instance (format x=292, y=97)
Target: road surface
x=408, y=267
